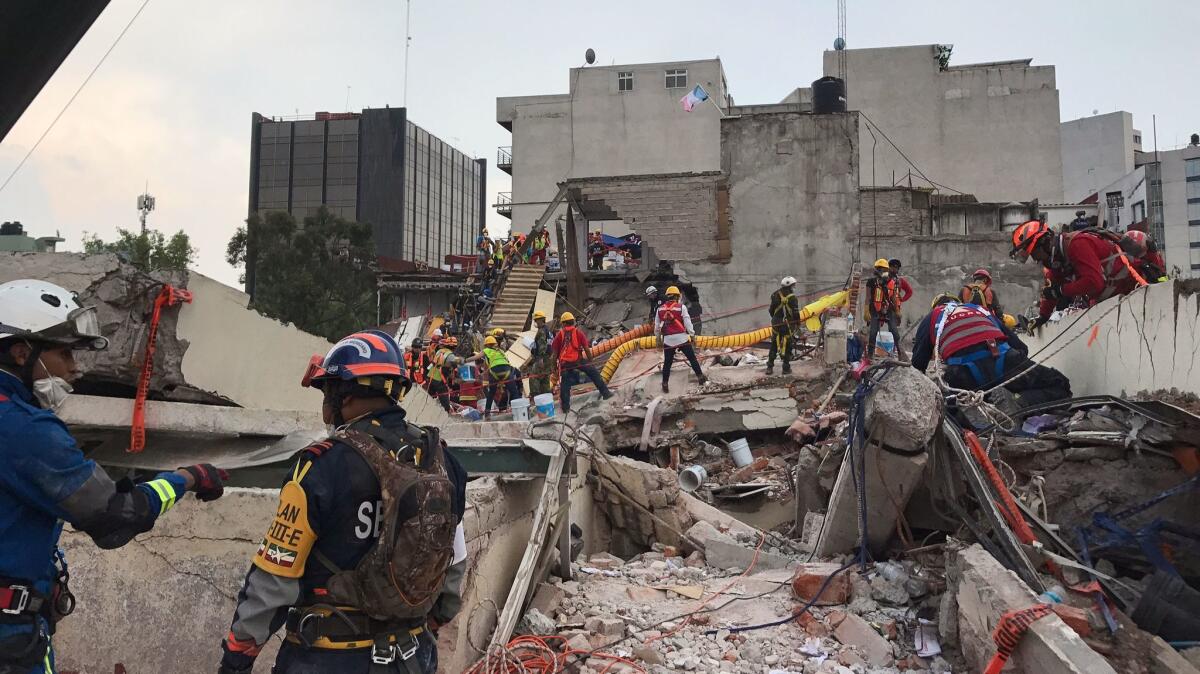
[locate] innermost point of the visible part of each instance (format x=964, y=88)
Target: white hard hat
x=437, y=332
x=788, y=281
x=650, y=290
x=49, y=313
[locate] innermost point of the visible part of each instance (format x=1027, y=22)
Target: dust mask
x=51, y=391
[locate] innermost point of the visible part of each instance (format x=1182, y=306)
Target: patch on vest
x=284, y=550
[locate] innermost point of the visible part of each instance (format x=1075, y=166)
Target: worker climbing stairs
x=517, y=297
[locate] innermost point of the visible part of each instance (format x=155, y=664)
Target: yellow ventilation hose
x=809, y=314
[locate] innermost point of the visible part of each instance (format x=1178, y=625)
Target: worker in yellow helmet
x=574, y=354
x=500, y=374
x=673, y=326
x=541, y=358
x=883, y=306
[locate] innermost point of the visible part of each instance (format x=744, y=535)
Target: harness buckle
x=21, y=604
x=383, y=656
x=410, y=650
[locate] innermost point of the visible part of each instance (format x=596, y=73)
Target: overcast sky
x=172, y=104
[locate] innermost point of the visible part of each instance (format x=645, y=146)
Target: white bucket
x=520, y=409
x=543, y=404
x=885, y=342
x=692, y=477
x=739, y=451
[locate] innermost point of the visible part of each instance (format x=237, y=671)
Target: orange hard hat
x=1025, y=237
x=982, y=272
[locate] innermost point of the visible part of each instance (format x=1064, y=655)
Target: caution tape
x=168, y=296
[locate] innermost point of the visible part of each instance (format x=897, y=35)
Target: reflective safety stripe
x=166, y=494
x=963, y=325
x=299, y=472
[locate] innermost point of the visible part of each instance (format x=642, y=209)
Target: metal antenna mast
x=407, y=44
x=840, y=45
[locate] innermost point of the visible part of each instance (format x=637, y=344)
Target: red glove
x=208, y=481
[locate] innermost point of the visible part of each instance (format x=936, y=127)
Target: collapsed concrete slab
x=985, y=590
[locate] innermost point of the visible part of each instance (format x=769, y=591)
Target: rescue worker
x=1148, y=261
x=673, y=326
x=1087, y=265
x=45, y=480
x=500, y=374
x=503, y=339
x=443, y=370
x=1080, y=222
x=540, y=245
x=980, y=351
x=883, y=306
x=541, y=358
x=416, y=361
x=571, y=349
x=596, y=250
x=366, y=554
x=655, y=302
x=979, y=292
x=906, y=291
x=785, y=316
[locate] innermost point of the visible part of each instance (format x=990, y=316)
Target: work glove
x=209, y=481
x=1052, y=293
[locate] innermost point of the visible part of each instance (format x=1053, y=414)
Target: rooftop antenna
x=145, y=204
x=839, y=44
x=347, y=98
x=407, y=45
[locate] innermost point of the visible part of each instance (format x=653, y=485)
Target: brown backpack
x=401, y=576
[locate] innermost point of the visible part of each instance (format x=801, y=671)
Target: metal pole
x=407, y=44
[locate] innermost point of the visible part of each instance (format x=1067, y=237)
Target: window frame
x=672, y=75
x=622, y=77
x=1191, y=168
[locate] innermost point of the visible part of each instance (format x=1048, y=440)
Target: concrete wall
x=675, y=215
x=183, y=577
x=596, y=130
x=1096, y=151
x=793, y=196
x=1146, y=342
x=992, y=131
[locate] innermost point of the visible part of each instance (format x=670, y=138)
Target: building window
x=1139, y=211
x=1137, y=140
x=1191, y=167
x=1193, y=190
x=677, y=79
x=625, y=81
x=1193, y=212
x=1194, y=244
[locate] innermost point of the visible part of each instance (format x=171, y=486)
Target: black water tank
x=12, y=229
x=829, y=95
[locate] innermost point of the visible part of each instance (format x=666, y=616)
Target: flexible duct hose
x=810, y=312
x=613, y=342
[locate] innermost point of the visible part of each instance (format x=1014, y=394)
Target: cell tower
x=145, y=204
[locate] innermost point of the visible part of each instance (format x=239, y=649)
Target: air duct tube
x=623, y=338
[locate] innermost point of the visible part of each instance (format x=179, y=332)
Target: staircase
x=517, y=297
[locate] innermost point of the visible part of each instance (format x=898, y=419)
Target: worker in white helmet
x=785, y=316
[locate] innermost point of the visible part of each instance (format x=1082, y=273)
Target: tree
x=149, y=250
x=317, y=275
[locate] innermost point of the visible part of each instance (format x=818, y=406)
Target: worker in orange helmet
x=1085, y=265
x=1144, y=249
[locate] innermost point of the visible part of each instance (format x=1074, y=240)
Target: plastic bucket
x=885, y=342
x=543, y=404
x=520, y=409
x=692, y=477
x=466, y=373
x=739, y=451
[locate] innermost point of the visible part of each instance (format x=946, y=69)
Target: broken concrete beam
x=752, y=410
x=732, y=555
x=811, y=577
x=852, y=630
x=985, y=591
x=904, y=409
x=891, y=479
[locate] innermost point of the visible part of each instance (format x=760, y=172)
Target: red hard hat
x=1026, y=236
x=982, y=272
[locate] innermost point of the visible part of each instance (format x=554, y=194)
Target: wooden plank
x=547, y=508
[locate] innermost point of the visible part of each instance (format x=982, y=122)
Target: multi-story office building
x=423, y=199
x=1097, y=151
x=1173, y=209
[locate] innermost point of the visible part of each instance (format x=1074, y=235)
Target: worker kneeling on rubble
x=980, y=351
x=45, y=479
x=366, y=553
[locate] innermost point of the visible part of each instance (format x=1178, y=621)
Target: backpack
x=401, y=576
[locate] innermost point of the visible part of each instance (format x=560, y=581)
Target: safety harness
x=1116, y=266
x=996, y=349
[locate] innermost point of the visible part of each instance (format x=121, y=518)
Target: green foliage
x=149, y=251
x=316, y=275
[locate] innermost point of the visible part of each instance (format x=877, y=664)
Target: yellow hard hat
x=496, y=332
x=673, y=291
x=1010, y=322
x=490, y=341
x=882, y=263
x=539, y=314
x=567, y=316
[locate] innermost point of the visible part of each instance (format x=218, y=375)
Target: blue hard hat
x=366, y=354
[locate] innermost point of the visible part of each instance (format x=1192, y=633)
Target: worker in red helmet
x=978, y=291
x=1144, y=249
x=1087, y=265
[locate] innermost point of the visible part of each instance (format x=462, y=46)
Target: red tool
x=168, y=296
